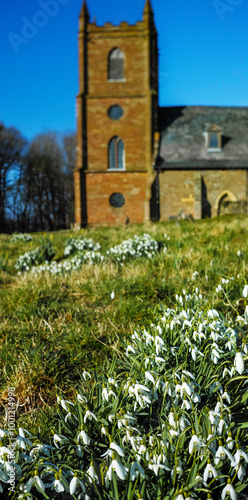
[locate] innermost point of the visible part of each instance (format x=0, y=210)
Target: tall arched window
x=116, y=153
x=116, y=65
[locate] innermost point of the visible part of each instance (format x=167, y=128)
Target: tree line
x=36, y=181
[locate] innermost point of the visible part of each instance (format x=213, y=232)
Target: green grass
x=54, y=327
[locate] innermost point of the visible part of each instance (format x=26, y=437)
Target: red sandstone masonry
x=96, y=96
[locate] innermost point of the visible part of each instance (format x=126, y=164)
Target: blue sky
x=203, y=46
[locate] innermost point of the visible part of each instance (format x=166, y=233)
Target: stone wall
x=200, y=192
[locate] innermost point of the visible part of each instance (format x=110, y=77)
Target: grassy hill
x=54, y=327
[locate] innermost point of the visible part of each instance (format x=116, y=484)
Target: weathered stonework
x=200, y=193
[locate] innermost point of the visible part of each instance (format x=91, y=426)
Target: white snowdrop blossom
x=230, y=490
x=239, y=363
x=136, y=470
x=84, y=436
x=89, y=415
x=75, y=483
x=118, y=468
x=209, y=472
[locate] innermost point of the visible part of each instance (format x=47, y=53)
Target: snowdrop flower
x=226, y=396
x=112, y=295
x=92, y=473
x=221, y=453
x=86, y=375
x=84, y=436
x=64, y=403
x=58, y=484
x=158, y=360
x=239, y=363
x=106, y=393
x=169, y=388
x=195, y=444
x=186, y=405
x=238, y=455
x=3, y=433
x=75, y=482
x=226, y=372
x=245, y=292
x=155, y=465
x=135, y=470
x=22, y=440
x=246, y=314
x=59, y=439
x=81, y=399
x=115, y=447
x=212, y=313
x=188, y=374
x=4, y=450
x=43, y=449
x=230, y=441
x=34, y=481
x=149, y=376
x=215, y=355
x=118, y=468
x=209, y=471
x=229, y=489
x=183, y=423
x=89, y=415
x=130, y=349
x=186, y=388
x=196, y=398
x=179, y=469
x=180, y=496
x=240, y=472
x=221, y=425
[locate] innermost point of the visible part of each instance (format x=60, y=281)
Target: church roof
x=183, y=137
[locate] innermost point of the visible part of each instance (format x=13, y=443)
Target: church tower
x=117, y=120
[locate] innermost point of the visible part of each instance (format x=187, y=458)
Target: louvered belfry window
x=116, y=65
x=116, y=153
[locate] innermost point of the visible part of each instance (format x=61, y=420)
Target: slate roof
x=182, y=143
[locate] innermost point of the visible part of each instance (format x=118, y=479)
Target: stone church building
x=137, y=161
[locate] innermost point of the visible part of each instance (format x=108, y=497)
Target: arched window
x=116, y=65
x=116, y=153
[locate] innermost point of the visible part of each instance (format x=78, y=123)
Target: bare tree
x=47, y=182
x=12, y=145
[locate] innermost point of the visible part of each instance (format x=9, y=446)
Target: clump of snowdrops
x=44, y=253
x=87, y=252
x=20, y=237
x=78, y=245
x=134, y=248
x=69, y=265
x=169, y=422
